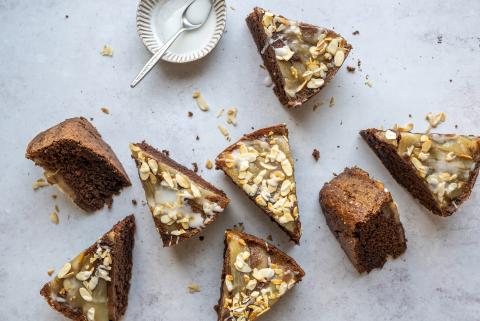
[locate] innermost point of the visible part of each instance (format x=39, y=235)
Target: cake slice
x=261, y=164
x=182, y=203
x=301, y=58
x=437, y=169
x=77, y=160
x=255, y=275
x=362, y=215
x=94, y=285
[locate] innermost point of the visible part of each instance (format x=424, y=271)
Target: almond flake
x=201, y=103
x=91, y=314
x=54, y=218
x=193, y=288
x=86, y=295
x=107, y=51
x=64, y=270
x=39, y=183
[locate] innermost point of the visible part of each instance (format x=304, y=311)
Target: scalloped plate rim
x=152, y=44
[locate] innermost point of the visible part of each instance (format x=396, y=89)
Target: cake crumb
x=54, y=196
x=316, y=154
x=233, y=8
x=356, y=33
x=134, y=202
x=263, y=67
x=50, y=272
x=270, y=238
x=369, y=83
x=316, y=105
x=201, y=103
x=351, y=69
x=209, y=164
x=57, y=209
x=54, y=218
x=193, y=288
x=232, y=116
x=331, y=103
x=240, y=227
x=105, y=110
x=435, y=119
x=166, y=152
x=107, y=51
x=39, y=183
x=190, y=114
x=197, y=138
x=220, y=112
x=201, y=237
x=195, y=167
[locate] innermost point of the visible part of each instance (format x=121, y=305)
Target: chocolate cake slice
x=261, y=163
x=255, y=275
x=94, y=285
x=182, y=203
x=437, y=169
x=77, y=160
x=301, y=58
x=362, y=215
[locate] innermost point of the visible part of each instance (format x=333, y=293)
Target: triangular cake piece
x=182, y=203
x=437, y=169
x=301, y=58
x=261, y=163
x=77, y=160
x=255, y=275
x=94, y=285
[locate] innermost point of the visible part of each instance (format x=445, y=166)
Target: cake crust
x=362, y=215
x=280, y=129
x=81, y=135
x=122, y=246
x=254, y=23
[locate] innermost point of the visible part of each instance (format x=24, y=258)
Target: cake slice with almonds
x=255, y=276
x=439, y=170
x=94, y=285
x=301, y=58
x=182, y=203
x=261, y=164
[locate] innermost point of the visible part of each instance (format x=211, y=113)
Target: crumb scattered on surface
x=107, y=51
x=54, y=218
x=263, y=67
x=409, y=115
x=105, y=110
x=331, y=103
x=209, y=164
x=166, y=152
x=439, y=39
x=195, y=167
x=232, y=116
x=351, y=69
x=435, y=119
x=134, y=202
x=408, y=127
x=239, y=227
x=316, y=105
x=233, y=8
x=270, y=238
x=201, y=102
x=50, y=272
x=193, y=288
x=54, y=196
x=356, y=33
x=224, y=132
x=369, y=83
x=66, y=16
x=201, y=237
x=220, y=112
x=316, y=154
x=39, y=183
x=57, y=209
x=197, y=138
x=190, y=114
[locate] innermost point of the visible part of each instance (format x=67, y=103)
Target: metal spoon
x=187, y=25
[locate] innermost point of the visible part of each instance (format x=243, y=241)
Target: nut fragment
x=91, y=314
x=107, y=51
x=231, y=116
x=209, y=164
x=64, y=271
x=201, y=103
x=86, y=295
x=435, y=119
x=54, y=218
x=39, y=183
x=193, y=288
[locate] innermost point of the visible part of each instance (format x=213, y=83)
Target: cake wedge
x=301, y=58
x=181, y=202
x=261, y=163
x=439, y=170
x=79, y=162
x=255, y=276
x=362, y=215
x=94, y=285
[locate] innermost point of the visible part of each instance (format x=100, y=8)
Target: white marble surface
x=51, y=69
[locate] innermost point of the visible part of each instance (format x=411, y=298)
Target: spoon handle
x=156, y=57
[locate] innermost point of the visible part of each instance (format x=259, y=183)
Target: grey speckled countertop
x=421, y=56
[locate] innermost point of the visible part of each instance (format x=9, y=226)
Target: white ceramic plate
x=158, y=20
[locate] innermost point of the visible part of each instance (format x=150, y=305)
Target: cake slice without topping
x=439, y=170
x=182, y=203
x=261, y=163
x=94, y=285
x=301, y=58
x=77, y=160
x=255, y=275
x=362, y=215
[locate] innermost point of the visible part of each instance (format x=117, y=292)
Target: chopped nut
x=54, y=218
x=201, y=103
x=435, y=119
x=350, y=69
x=209, y=164
x=231, y=116
x=193, y=288
x=224, y=131
x=86, y=295
x=91, y=314
x=391, y=135
x=369, y=83
x=105, y=110
x=407, y=128
x=50, y=272
x=39, y=183
x=107, y=51
x=64, y=270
